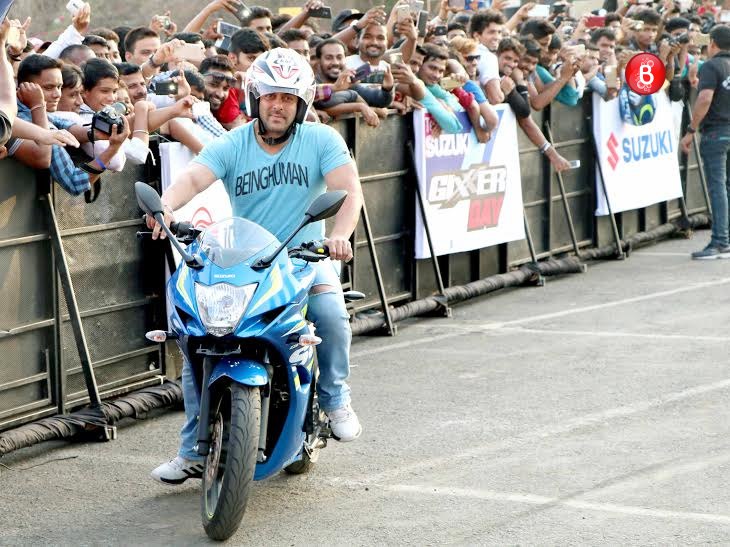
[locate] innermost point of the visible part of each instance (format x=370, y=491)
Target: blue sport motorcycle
x=239, y=306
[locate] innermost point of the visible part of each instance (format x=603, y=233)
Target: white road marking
x=533, y=499
x=551, y=430
x=609, y=334
x=656, y=475
x=498, y=325
x=632, y=300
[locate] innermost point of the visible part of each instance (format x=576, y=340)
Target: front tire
x=230, y=466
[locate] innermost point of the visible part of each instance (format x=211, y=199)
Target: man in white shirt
x=486, y=28
x=372, y=46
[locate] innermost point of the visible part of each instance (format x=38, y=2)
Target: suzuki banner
x=472, y=191
x=639, y=163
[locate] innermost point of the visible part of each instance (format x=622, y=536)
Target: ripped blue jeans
x=328, y=313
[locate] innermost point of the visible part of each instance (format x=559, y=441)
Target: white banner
x=205, y=208
x=639, y=163
x=472, y=191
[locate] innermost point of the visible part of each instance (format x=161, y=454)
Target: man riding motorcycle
x=273, y=168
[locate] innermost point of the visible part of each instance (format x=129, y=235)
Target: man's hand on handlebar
x=340, y=248
x=157, y=231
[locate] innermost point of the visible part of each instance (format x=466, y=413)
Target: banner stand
x=568, y=215
x=62, y=272
x=539, y=280
x=390, y=326
x=701, y=167
x=620, y=255
x=443, y=301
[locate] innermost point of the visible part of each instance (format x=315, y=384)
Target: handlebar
x=312, y=251
x=184, y=231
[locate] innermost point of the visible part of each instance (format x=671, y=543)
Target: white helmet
x=280, y=70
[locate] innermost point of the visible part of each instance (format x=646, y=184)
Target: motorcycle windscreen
x=234, y=240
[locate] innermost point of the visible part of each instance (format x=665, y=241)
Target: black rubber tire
x=238, y=460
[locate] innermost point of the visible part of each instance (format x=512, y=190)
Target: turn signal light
x=158, y=336
x=309, y=340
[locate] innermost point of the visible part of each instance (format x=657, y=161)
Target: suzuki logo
x=613, y=157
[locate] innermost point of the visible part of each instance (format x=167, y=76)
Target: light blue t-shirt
x=275, y=190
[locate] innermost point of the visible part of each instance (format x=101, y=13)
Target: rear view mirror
x=326, y=205
x=148, y=199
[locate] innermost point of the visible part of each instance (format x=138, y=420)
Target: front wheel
x=229, y=468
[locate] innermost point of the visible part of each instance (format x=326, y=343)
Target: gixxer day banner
x=472, y=191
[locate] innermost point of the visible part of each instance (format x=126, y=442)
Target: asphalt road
x=593, y=410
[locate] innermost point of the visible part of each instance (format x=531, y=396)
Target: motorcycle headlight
x=222, y=305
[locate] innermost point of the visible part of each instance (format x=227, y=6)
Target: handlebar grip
x=174, y=226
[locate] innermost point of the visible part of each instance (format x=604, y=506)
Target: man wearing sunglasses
x=218, y=75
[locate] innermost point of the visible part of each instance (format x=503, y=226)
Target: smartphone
x=242, y=12
x=396, y=58
x=416, y=6
x=402, y=13
x=611, y=74
x=375, y=77
x=702, y=40
x=556, y=9
x=166, y=87
x=223, y=44
x=13, y=36
x=637, y=25
x=574, y=164
x=362, y=72
x=190, y=52
x=595, y=21
x=725, y=16
x=440, y=30
x=324, y=12
x=201, y=108
x=227, y=29
x=449, y=83
x=541, y=10
x=75, y=6
x=422, y=22
x=685, y=5
x=457, y=4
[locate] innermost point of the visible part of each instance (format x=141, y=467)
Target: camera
x=681, y=39
x=164, y=20
x=108, y=117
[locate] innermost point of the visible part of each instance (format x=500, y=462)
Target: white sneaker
x=179, y=470
x=344, y=424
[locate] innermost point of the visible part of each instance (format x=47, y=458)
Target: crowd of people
x=61, y=102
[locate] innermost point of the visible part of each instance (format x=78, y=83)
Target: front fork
x=204, y=418
x=265, y=403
